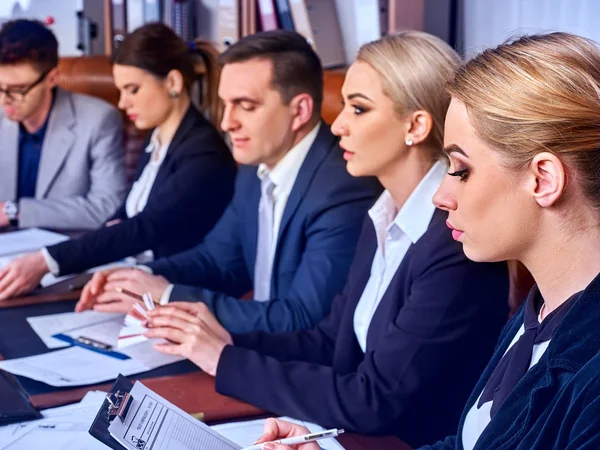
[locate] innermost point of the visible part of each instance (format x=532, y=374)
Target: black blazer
x=192, y=189
x=429, y=339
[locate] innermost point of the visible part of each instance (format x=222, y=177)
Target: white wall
x=488, y=23
x=63, y=12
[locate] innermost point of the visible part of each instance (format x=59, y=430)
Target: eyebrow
x=239, y=100
x=359, y=95
x=453, y=148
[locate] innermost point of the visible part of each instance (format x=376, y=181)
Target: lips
x=456, y=233
x=132, y=117
x=347, y=153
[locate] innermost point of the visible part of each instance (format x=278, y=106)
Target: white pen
x=148, y=301
x=141, y=310
x=301, y=439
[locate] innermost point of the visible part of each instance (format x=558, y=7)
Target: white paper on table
x=131, y=333
x=29, y=240
x=151, y=418
x=244, y=433
x=47, y=326
x=76, y=366
x=62, y=428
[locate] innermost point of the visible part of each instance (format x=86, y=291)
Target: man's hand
x=22, y=275
x=105, y=291
x=276, y=429
x=4, y=220
x=193, y=332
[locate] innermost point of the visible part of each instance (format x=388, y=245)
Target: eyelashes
x=462, y=174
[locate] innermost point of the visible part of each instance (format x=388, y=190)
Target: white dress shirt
x=138, y=195
x=396, y=231
x=283, y=175
x=478, y=418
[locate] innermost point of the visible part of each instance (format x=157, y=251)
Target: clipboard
x=15, y=405
x=92, y=345
x=115, y=405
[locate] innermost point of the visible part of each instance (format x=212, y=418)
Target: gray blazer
x=81, y=178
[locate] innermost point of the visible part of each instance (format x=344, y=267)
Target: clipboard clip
x=118, y=405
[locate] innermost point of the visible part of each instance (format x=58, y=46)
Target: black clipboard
x=115, y=405
x=15, y=404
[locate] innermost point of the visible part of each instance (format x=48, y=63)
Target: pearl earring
x=408, y=142
x=173, y=94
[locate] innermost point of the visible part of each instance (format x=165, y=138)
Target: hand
x=92, y=289
x=276, y=429
x=193, y=332
x=4, y=220
x=110, y=223
x=22, y=275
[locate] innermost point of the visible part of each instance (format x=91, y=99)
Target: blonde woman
x=416, y=321
x=522, y=133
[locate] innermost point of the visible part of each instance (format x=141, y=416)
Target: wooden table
x=193, y=392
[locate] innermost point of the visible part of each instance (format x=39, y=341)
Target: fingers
x=12, y=290
x=173, y=311
x=121, y=275
x=6, y=279
x=96, y=284
x=115, y=307
x=192, y=328
x=170, y=334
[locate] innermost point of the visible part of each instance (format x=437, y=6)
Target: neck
x=34, y=122
x=293, y=140
x=564, y=263
x=167, y=129
x=402, y=177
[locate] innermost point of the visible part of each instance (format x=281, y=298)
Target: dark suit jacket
x=317, y=239
x=192, y=189
x=430, y=337
x=556, y=405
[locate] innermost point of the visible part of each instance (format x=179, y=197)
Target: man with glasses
x=61, y=158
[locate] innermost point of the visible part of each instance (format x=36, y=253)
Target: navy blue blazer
x=556, y=405
x=192, y=189
x=431, y=335
x=317, y=239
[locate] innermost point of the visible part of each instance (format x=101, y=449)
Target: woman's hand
x=276, y=429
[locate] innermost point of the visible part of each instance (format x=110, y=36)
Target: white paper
x=76, y=366
x=247, y=432
x=152, y=419
x=131, y=333
x=29, y=240
x=62, y=428
x=47, y=326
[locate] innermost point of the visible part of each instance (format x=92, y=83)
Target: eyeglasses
x=18, y=95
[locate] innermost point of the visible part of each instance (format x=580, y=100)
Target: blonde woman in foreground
x=523, y=137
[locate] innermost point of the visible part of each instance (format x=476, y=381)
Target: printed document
x=246, y=432
x=29, y=240
x=153, y=423
x=76, y=366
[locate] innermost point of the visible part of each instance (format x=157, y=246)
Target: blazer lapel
x=316, y=154
x=58, y=141
x=251, y=201
x=9, y=159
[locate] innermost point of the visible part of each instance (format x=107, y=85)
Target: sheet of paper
x=76, y=366
x=49, y=325
x=246, y=432
x=131, y=333
x=152, y=419
x=29, y=240
x=62, y=428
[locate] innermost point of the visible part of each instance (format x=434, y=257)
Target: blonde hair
x=415, y=68
x=534, y=94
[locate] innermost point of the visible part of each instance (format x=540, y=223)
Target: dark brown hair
x=296, y=67
x=28, y=41
x=156, y=49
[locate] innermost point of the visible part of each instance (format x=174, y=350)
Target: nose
x=229, y=122
x=122, y=101
x=445, y=198
x=338, y=127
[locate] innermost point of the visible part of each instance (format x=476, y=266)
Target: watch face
x=10, y=209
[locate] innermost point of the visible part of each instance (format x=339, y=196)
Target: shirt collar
x=154, y=144
x=283, y=175
x=414, y=216
x=39, y=134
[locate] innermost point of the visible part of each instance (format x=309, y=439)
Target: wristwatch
x=11, y=210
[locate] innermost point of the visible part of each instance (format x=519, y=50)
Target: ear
x=53, y=77
x=548, y=179
x=419, y=126
x=302, y=106
x=174, y=82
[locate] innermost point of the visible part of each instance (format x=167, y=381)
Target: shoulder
x=88, y=105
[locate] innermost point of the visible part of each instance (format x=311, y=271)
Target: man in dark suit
x=291, y=229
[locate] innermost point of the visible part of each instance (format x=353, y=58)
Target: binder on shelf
x=405, y=15
x=248, y=24
x=228, y=30
x=152, y=11
x=284, y=14
x=268, y=15
x=317, y=21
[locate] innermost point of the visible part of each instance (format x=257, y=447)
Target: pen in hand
x=301, y=439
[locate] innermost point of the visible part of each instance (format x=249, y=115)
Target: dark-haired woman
x=185, y=176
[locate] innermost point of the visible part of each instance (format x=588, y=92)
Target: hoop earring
x=408, y=142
